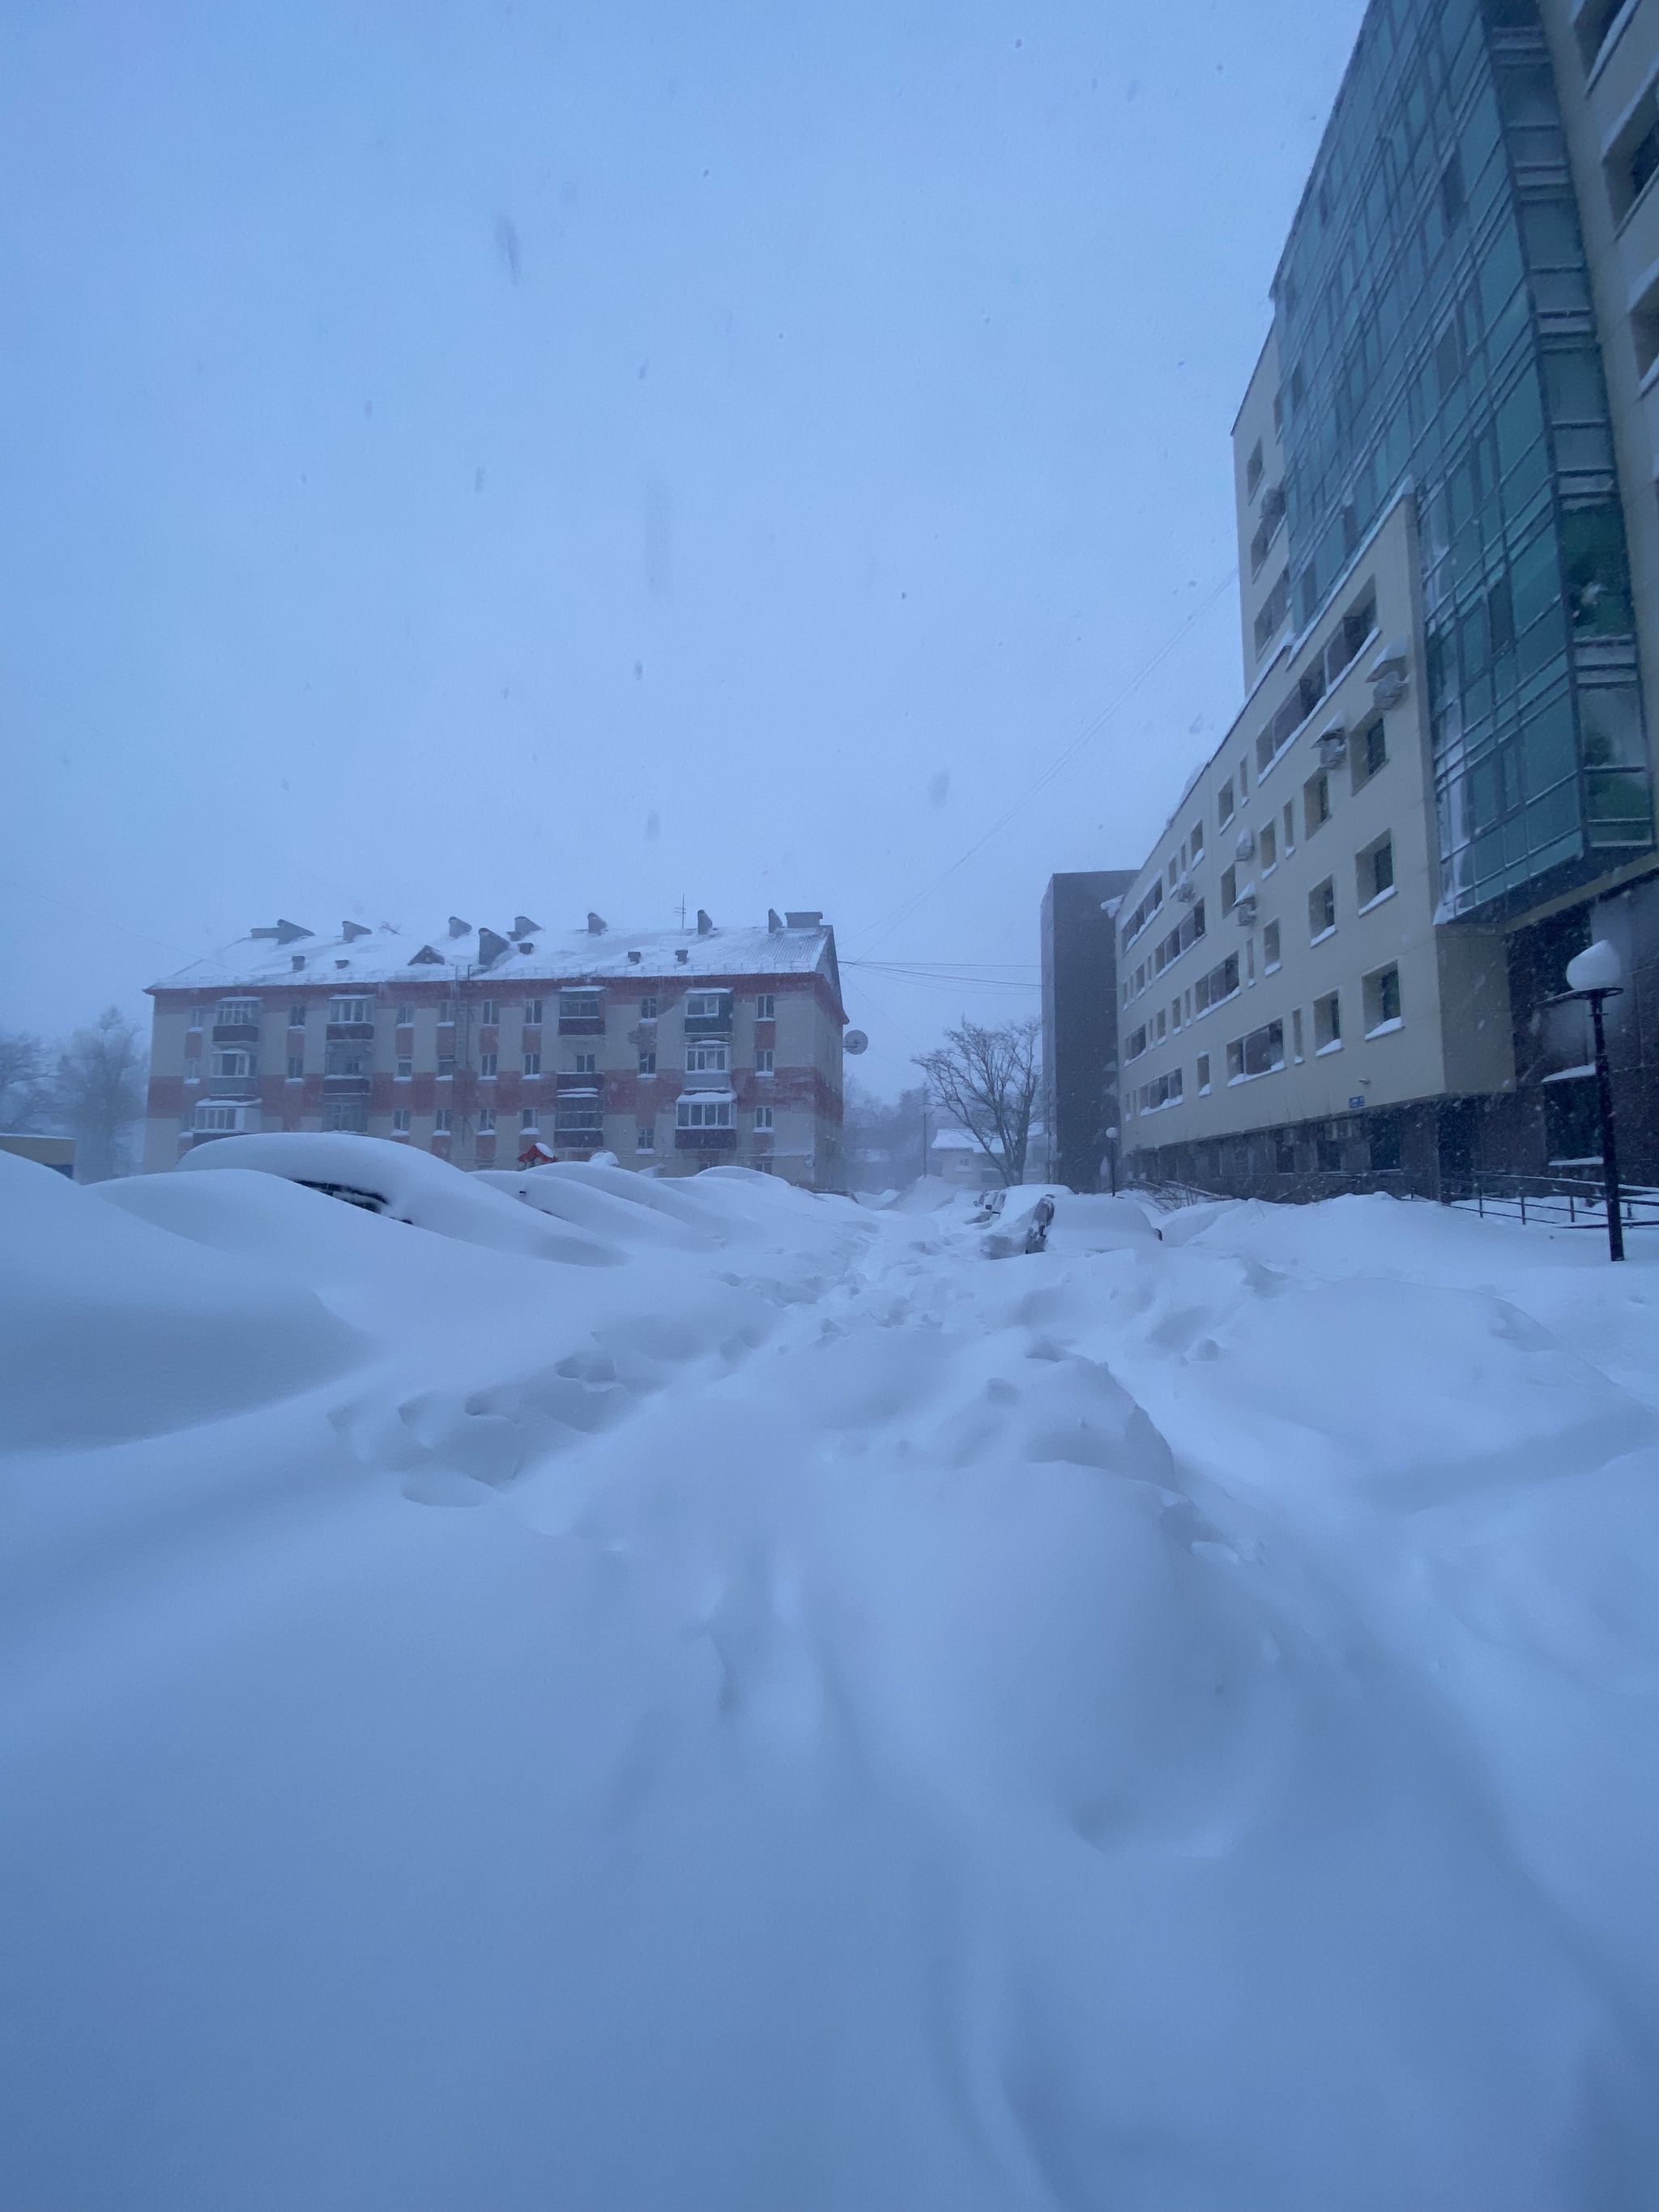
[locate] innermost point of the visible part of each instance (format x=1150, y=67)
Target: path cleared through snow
x=603, y=1693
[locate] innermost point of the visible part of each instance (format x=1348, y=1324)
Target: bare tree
x=99, y=1088
x=987, y=1080
x=25, y=1092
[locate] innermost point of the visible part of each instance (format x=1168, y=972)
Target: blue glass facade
x=1434, y=330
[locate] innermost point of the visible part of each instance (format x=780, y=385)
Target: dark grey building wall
x=1079, y=1021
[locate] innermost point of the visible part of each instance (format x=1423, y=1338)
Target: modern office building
x=1339, y=957
x=1079, y=1025
x=675, y=1049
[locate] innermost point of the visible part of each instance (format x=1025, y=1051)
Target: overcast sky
x=537, y=457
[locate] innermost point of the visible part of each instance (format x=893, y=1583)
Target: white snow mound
x=1161, y=1723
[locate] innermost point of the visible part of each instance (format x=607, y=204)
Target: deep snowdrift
x=1164, y=1725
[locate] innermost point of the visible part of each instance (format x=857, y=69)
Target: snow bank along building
x=671, y=1049
x=1339, y=956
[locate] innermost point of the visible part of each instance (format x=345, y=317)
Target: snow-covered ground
x=670, y=1695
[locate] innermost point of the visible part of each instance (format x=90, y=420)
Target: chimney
x=636, y=957
x=523, y=926
x=457, y=926
x=805, y=919
x=682, y=955
x=705, y=927
x=773, y=920
x=596, y=925
x=285, y=932
x=298, y=959
x=350, y=930
x=491, y=946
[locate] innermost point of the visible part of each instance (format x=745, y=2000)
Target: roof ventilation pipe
x=596, y=925
x=457, y=926
x=705, y=927
x=523, y=926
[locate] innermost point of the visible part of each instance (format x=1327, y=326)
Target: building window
x=1290, y=829
x=763, y=1121
x=645, y=1139
x=350, y=1114
x=1203, y=1073
x=223, y=1119
x=445, y=1066
x=648, y=1063
x=763, y=1061
x=648, y=1010
x=1229, y=890
x=1269, y=842
x=489, y=1012
x=577, y=1124
x=1381, y=998
x=296, y=1018
x=1316, y=801
x=446, y=1011
x=441, y=1122
x=1369, y=754
x=1595, y=20
x=532, y=1063
x=1224, y=803
x=1196, y=839
x=708, y=1059
x=405, y=1068
x=1321, y=910
x=703, y=1005
x=1374, y=871
x=1634, y=158
x=585, y=1063
x=346, y=1059
x=192, y=1070
x=1220, y=984
x=1270, y=948
x=528, y=1119
x=1253, y=471
x=351, y=1010
x=581, y=1007
x=1260, y=1052
x=703, y=1113
x=297, y=1066
x=237, y=1013
x=400, y=1121
x=196, y=1017
x=486, y=1120
x=532, y=1013
x=405, y=1013
x=1327, y=1024
x=487, y=1067
x=1295, y=1036
x=232, y=1063
x=766, y=1007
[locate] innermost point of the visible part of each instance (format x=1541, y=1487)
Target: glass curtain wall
x=1434, y=330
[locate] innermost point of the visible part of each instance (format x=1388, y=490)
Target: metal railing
x=1555, y=1201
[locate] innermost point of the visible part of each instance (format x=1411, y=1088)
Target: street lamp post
x=1594, y=977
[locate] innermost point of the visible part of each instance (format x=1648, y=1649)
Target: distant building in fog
x=1079, y=1023
x=673, y=1048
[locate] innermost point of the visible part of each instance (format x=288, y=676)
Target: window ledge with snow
x=1571, y=1074
x=1335, y=1045
x=1322, y=935
x=1378, y=900
x=1386, y=1029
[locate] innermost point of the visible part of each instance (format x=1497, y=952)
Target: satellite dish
x=855, y=1042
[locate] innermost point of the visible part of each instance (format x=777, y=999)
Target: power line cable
x=1091, y=729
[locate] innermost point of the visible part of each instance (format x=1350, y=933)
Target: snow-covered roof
x=287, y=955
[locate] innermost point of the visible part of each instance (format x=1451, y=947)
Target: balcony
x=236, y=1032
x=705, y=1140
x=350, y=1033
x=347, y=1086
x=581, y=1086
x=581, y=1024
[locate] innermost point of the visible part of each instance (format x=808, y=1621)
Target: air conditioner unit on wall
x=1332, y=746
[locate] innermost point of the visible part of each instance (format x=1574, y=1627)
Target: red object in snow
x=535, y=1156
